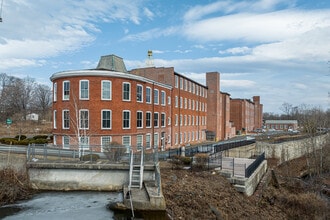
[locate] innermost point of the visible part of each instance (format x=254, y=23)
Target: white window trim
x=149, y=88
x=64, y=110
x=129, y=94
x=151, y=121
x=129, y=122
x=139, y=85
x=63, y=96
x=109, y=81
x=141, y=119
x=102, y=119
x=156, y=103
x=80, y=110
x=80, y=81
x=55, y=92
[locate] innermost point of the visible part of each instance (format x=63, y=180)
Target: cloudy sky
x=278, y=49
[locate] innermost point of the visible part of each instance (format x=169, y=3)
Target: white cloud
x=252, y=27
x=236, y=50
x=38, y=29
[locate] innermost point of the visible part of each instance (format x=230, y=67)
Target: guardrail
x=250, y=169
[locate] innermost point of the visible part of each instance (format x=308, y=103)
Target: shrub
x=179, y=161
x=40, y=137
x=21, y=137
x=90, y=157
x=201, y=160
x=114, y=151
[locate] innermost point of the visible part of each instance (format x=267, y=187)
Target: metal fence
x=250, y=169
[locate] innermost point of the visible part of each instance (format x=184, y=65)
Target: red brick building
x=143, y=107
x=245, y=114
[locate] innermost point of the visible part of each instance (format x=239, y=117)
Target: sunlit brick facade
x=149, y=107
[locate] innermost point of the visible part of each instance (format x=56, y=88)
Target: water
x=63, y=205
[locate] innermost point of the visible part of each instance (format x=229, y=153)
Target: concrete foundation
x=247, y=185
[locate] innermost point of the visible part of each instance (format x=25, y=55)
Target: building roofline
x=104, y=73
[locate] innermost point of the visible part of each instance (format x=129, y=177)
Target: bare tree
x=42, y=99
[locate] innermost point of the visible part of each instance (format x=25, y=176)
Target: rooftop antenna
x=1, y=11
x=150, y=61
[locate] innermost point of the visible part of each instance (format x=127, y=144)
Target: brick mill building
x=149, y=107
x=245, y=114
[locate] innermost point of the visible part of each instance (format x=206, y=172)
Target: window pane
x=148, y=119
x=66, y=90
x=106, y=119
x=84, y=89
x=139, y=93
x=148, y=95
x=126, y=91
x=139, y=119
x=126, y=119
x=106, y=90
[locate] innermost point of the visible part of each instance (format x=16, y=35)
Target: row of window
x=106, y=92
x=186, y=137
x=190, y=86
x=106, y=119
x=190, y=104
x=190, y=120
x=140, y=141
x=106, y=140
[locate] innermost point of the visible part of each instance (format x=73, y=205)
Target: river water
x=72, y=205
x=63, y=205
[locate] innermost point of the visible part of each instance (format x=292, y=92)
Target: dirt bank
x=207, y=195
x=14, y=181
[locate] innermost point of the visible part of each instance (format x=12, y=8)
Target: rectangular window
x=176, y=138
x=162, y=119
x=181, y=102
x=180, y=120
x=176, y=120
x=55, y=92
x=126, y=141
x=84, y=89
x=84, y=141
x=156, y=115
x=66, y=90
x=148, y=119
x=156, y=96
x=176, y=81
x=139, y=93
x=54, y=119
x=139, y=142
x=156, y=140
x=106, y=90
x=126, y=119
x=148, y=143
x=148, y=95
x=126, y=91
x=106, y=119
x=84, y=118
x=105, y=142
x=185, y=103
x=66, y=142
x=163, y=98
x=66, y=119
x=181, y=83
x=176, y=101
x=139, y=119
x=168, y=100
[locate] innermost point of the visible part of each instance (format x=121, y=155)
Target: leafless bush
x=114, y=151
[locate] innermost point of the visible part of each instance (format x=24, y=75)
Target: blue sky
x=278, y=49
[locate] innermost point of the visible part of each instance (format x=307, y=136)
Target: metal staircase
x=136, y=170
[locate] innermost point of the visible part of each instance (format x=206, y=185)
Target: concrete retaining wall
x=62, y=176
x=291, y=149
